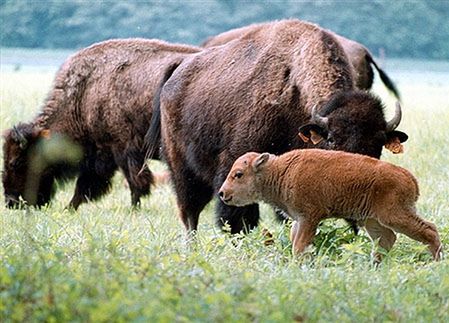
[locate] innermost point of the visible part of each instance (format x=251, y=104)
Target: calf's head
x=19, y=141
x=354, y=122
x=240, y=186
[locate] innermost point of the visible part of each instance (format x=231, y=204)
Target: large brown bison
x=359, y=57
x=315, y=184
x=252, y=94
x=101, y=100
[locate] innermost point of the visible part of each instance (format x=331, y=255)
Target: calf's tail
x=384, y=77
x=152, y=139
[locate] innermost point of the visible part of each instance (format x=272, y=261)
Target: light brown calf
x=313, y=184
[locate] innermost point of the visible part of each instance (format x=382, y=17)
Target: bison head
x=240, y=186
x=354, y=122
x=19, y=141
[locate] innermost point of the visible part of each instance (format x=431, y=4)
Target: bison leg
x=138, y=178
x=239, y=219
x=385, y=235
x=294, y=230
x=192, y=196
x=280, y=214
x=305, y=232
x=89, y=186
x=141, y=186
x=410, y=224
x=94, y=179
x=40, y=194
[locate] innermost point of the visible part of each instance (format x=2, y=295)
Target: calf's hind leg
x=385, y=235
x=409, y=223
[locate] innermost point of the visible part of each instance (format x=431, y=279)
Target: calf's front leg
x=302, y=234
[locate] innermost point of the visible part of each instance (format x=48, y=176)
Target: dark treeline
x=416, y=29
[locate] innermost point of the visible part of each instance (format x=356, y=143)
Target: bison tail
x=152, y=138
x=384, y=77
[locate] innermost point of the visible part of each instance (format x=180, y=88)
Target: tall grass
x=108, y=262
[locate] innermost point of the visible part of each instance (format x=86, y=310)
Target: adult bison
x=359, y=57
x=252, y=94
x=101, y=101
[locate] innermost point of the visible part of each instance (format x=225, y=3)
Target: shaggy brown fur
x=359, y=57
x=250, y=95
x=314, y=184
x=101, y=100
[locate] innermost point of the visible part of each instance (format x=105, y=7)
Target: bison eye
x=238, y=174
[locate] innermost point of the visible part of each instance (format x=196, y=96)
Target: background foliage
x=416, y=29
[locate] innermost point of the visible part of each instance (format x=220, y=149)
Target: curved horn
x=319, y=120
x=394, y=122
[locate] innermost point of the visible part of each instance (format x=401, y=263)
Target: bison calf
x=316, y=184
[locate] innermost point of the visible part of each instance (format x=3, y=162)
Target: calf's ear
x=311, y=132
x=394, y=140
x=260, y=161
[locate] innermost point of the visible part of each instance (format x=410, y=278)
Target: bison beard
x=252, y=94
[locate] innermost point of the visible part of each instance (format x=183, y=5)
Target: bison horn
x=319, y=120
x=394, y=122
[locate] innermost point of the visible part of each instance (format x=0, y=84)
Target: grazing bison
x=360, y=61
x=315, y=184
x=359, y=57
x=101, y=101
x=250, y=95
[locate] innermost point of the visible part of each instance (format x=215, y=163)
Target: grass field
x=108, y=262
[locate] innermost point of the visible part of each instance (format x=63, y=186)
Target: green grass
x=108, y=262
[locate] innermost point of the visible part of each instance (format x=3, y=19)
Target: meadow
x=109, y=262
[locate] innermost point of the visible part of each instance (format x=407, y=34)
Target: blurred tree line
x=416, y=29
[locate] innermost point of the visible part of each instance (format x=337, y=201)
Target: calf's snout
x=226, y=197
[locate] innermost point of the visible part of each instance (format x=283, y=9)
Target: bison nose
x=223, y=197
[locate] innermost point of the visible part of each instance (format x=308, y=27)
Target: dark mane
x=341, y=99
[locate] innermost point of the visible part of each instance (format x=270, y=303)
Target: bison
x=100, y=101
x=359, y=57
x=315, y=184
x=250, y=95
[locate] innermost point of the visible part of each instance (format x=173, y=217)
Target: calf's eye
x=238, y=174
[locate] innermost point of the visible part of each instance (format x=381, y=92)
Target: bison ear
x=45, y=134
x=311, y=132
x=394, y=140
x=260, y=161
